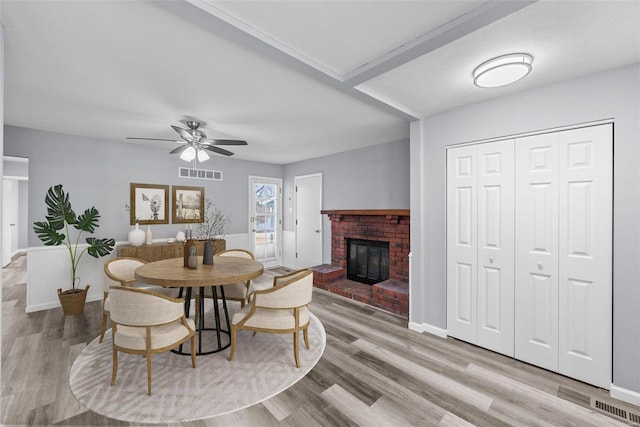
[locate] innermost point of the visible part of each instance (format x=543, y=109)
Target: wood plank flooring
x=374, y=372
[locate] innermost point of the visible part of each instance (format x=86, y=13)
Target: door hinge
x=296, y=188
x=296, y=254
x=296, y=222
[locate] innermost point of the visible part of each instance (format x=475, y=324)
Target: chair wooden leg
x=193, y=350
x=296, y=347
x=114, y=363
x=149, y=374
x=254, y=333
x=233, y=342
x=242, y=303
x=103, y=328
x=306, y=336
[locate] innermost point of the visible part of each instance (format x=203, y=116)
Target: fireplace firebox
x=367, y=261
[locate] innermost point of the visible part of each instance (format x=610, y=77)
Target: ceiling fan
x=196, y=142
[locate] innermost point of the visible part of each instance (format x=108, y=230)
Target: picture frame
x=187, y=204
x=149, y=204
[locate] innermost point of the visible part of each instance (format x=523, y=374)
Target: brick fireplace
x=388, y=226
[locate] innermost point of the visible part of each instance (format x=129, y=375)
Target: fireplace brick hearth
x=390, y=226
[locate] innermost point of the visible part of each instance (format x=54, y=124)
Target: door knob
x=317, y=231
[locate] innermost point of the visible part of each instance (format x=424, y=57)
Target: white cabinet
x=537, y=286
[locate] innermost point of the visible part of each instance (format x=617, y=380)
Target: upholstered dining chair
x=147, y=323
x=120, y=271
x=236, y=291
x=278, y=310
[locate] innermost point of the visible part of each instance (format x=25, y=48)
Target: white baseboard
x=625, y=395
x=424, y=327
x=56, y=304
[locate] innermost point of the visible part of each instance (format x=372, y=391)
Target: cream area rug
x=263, y=366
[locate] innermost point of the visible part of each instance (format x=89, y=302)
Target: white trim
x=532, y=133
x=15, y=177
x=424, y=327
x=625, y=395
x=16, y=159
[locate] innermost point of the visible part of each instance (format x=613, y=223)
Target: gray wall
x=374, y=177
x=98, y=173
x=614, y=94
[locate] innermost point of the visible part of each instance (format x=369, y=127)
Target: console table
x=160, y=251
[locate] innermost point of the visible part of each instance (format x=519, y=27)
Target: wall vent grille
x=615, y=411
x=206, y=174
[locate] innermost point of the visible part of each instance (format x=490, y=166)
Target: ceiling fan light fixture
x=503, y=70
x=188, y=154
x=202, y=156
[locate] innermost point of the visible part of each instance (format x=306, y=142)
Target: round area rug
x=263, y=366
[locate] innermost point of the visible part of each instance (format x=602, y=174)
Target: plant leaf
x=88, y=221
x=100, y=247
x=58, y=208
x=48, y=234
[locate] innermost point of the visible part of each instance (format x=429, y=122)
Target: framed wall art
x=149, y=204
x=188, y=204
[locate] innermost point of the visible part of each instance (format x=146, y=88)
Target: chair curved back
x=292, y=290
x=239, y=253
x=120, y=271
x=140, y=307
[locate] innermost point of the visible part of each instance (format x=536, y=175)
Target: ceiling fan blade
x=226, y=141
x=217, y=150
x=179, y=149
x=184, y=133
x=151, y=139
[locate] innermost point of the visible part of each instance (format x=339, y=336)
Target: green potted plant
x=213, y=226
x=55, y=231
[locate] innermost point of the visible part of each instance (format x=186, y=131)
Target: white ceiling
x=296, y=79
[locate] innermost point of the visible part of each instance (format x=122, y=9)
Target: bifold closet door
x=480, y=247
x=462, y=245
x=536, y=302
x=585, y=250
x=564, y=252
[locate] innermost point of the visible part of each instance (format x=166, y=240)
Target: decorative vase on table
x=193, y=259
x=207, y=255
x=187, y=251
x=148, y=239
x=136, y=236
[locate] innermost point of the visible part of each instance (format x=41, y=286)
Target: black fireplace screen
x=367, y=261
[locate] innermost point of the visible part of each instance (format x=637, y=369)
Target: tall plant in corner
x=55, y=231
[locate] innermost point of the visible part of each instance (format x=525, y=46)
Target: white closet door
x=496, y=246
x=461, y=243
x=536, y=275
x=585, y=250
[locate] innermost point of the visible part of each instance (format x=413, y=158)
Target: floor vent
x=616, y=411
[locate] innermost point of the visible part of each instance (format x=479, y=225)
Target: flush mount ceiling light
x=502, y=70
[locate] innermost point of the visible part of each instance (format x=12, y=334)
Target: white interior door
x=308, y=220
x=10, y=217
x=537, y=250
x=496, y=247
x=585, y=250
x=265, y=220
x=462, y=246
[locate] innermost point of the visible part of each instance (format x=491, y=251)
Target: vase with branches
x=213, y=226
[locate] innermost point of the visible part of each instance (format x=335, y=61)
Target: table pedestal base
x=217, y=339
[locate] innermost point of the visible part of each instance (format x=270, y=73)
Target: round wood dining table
x=224, y=271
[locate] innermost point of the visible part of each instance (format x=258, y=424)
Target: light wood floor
x=374, y=372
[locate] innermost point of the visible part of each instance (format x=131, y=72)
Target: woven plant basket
x=72, y=300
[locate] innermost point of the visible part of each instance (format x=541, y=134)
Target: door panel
x=496, y=246
x=308, y=219
x=536, y=256
x=461, y=243
x=585, y=248
x=265, y=220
